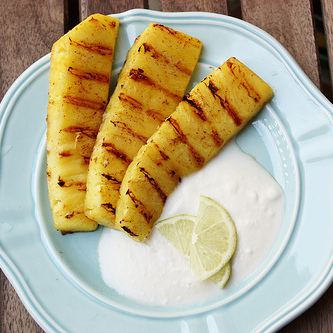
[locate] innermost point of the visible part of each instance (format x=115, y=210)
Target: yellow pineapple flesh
x=152, y=82
x=80, y=72
x=213, y=112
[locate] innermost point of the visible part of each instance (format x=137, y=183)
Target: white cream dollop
x=155, y=273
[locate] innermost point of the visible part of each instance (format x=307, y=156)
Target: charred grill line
x=196, y=108
x=65, y=154
x=174, y=33
x=109, y=208
x=155, y=185
x=112, y=179
x=200, y=112
x=93, y=47
x=133, y=102
x=137, y=75
x=129, y=231
x=164, y=156
x=126, y=128
x=231, y=112
x=216, y=137
x=69, y=215
x=256, y=97
x=197, y=156
x=62, y=183
x=84, y=103
x=158, y=55
x=138, y=203
x=120, y=155
x=155, y=115
x=212, y=87
x=91, y=133
x=89, y=76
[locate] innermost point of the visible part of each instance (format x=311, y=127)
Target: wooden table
x=28, y=28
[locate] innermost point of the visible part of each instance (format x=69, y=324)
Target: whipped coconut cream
x=155, y=273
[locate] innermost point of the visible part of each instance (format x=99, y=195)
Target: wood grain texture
x=292, y=24
x=27, y=32
x=26, y=37
x=88, y=7
x=220, y=7
x=327, y=12
x=317, y=319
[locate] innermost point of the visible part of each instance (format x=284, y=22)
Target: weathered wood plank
x=108, y=7
x=317, y=319
x=27, y=36
x=327, y=10
x=292, y=24
x=220, y=7
x=31, y=27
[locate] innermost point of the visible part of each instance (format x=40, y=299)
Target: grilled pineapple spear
x=213, y=112
x=150, y=85
x=79, y=80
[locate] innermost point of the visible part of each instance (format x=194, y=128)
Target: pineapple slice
x=80, y=72
x=150, y=85
x=213, y=112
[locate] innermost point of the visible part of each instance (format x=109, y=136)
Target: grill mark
x=108, y=206
x=217, y=138
x=197, y=156
x=69, y=215
x=137, y=203
x=129, y=231
x=213, y=89
x=88, y=131
x=89, y=76
x=132, y=101
x=245, y=84
x=95, y=48
x=230, y=110
x=153, y=182
x=86, y=159
x=145, y=47
x=139, y=76
x=224, y=103
x=195, y=107
x=199, y=112
x=139, y=107
x=120, y=155
x=62, y=183
x=65, y=154
x=177, y=34
x=111, y=178
x=110, y=24
x=85, y=103
x=155, y=115
x=164, y=156
x=124, y=127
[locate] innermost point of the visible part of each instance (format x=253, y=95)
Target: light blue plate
x=58, y=278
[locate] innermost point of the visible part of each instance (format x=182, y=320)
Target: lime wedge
x=222, y=276
x=208, y=240
x=214, y=239
x=178, y=231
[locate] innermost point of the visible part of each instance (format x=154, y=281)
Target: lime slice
x=214, y=239
x=209, y=240
x=178, y=231
x=222, y=276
